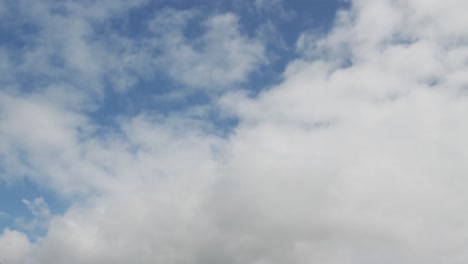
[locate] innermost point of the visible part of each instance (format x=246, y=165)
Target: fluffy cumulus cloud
x=358, y=155
x=14, y=246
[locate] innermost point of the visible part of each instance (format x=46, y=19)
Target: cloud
x=14, y=246
x=41, y=215
x=4, y=215
x=275, y=6
x=219, y=58
x=52, y=133
x=357, y=156
x=66, y=43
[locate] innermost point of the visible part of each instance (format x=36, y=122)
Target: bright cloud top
x=358, y=154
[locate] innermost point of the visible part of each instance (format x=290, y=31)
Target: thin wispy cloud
x=4, y=215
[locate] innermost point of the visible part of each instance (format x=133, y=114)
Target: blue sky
x=233, y=132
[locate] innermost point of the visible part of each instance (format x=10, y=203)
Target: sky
x=233, y=131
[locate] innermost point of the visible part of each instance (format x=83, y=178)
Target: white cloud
x=220, y=57
x=64, y=43
x=358, y=156
x=41, y=215
x=51, y=133
x=273, y=6
x=14, y=247
x=73, y=43
x=359, y=153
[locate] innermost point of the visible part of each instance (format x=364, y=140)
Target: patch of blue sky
x=15, y=29
x=12, y=206
x=14, y=36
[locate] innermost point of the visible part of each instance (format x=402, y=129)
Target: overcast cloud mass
x=239, y=132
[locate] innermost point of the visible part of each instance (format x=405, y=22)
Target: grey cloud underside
x=357, y=156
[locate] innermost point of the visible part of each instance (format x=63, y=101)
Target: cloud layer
x=356, y=156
